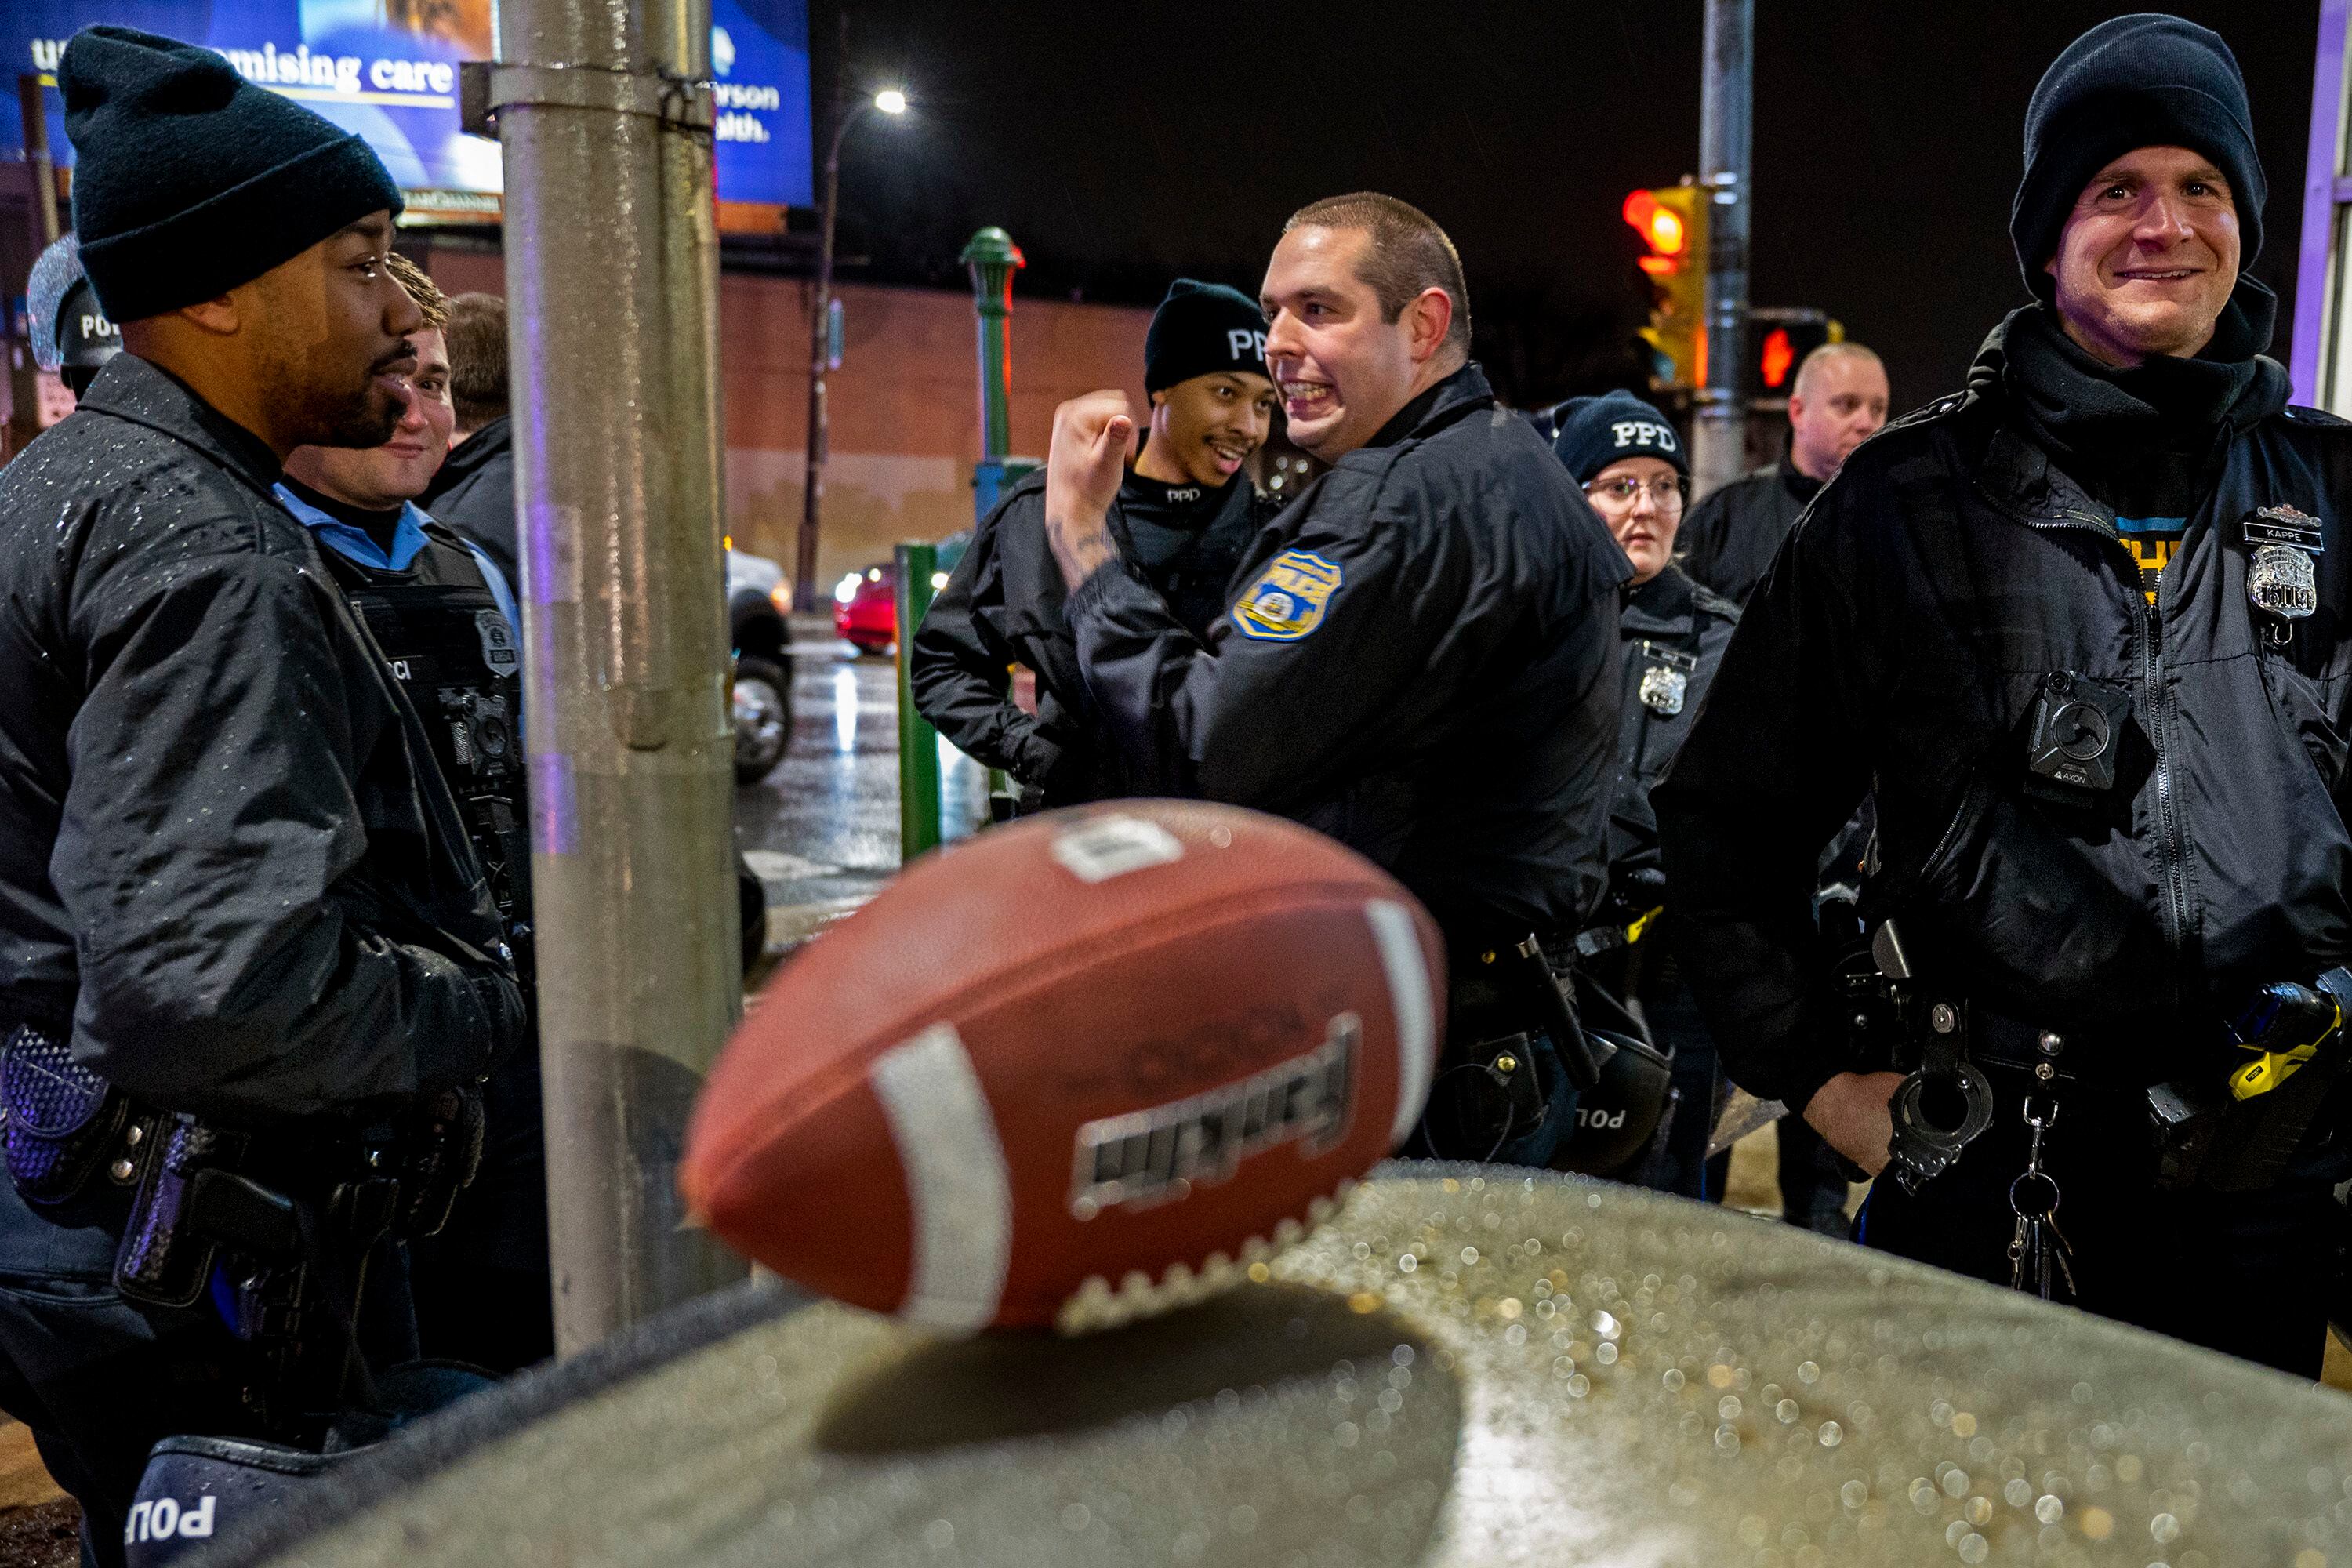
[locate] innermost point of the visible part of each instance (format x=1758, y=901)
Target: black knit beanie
x=1594, y=432
x=189, y=180
x=2144, y=80
x=1202, y=328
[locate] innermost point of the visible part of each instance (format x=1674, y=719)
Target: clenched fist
x=1082, y=471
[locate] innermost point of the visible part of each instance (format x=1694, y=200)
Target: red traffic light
x=1658, y=224
x=1779, y=356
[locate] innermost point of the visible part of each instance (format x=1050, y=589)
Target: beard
x=355, y=413
x=368, y=420
x=367, y=415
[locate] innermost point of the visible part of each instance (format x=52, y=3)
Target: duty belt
x=280, y=1232
x=2216, y=1121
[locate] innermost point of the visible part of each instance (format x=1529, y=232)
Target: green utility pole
x=993, y=259
x=918, y=743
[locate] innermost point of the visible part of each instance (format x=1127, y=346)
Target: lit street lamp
x=890, y=100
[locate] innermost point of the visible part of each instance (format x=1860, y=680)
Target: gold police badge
x=1289, y=598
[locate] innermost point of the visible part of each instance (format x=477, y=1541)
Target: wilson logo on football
x=1150, y=1157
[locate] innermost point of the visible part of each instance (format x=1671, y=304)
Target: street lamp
x=891, y=100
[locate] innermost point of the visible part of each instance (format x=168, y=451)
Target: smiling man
x=1183, y=515
x=2081, y=633
x=1418, y=656
x=241, y=924
x=445, y=620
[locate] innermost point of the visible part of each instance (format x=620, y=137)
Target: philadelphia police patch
x=1286, y=601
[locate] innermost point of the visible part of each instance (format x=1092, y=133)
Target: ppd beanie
x=189, y=180
x=1593, y=432
x=1202, y=328
x=2144, y=81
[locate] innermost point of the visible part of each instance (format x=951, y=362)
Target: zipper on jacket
x=2171, y=839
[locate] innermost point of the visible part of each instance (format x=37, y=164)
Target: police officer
x=1419, y=656
x=242, y=918
x=1837, y=401
x=1635, y=471
x=445, y=618
x=70, y=335
x=1183, y=515
x=474, y=491
x=2081, y=630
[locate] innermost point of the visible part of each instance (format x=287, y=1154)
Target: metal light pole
x=1720, y=437
x=604, y=106
x=23, y=376
x=889, y=101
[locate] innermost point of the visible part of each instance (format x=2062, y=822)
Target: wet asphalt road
x=823, y=828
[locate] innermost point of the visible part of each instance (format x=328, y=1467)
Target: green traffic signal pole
x=918, y=743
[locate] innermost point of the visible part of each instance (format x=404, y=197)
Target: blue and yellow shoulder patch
x=1288, y=600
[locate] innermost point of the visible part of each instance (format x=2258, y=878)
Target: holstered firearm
x=2238, y=1133
x=287, y=1265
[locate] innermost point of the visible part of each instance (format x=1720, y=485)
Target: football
x=1084, y=1067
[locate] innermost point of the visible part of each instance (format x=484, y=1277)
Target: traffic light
x=1783, y=338
x=1672, y=221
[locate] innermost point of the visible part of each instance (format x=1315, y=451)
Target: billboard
x=388, y=70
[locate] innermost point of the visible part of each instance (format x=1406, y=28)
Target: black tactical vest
x=448, y=645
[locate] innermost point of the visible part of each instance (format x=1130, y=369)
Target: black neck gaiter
x=2141, y=438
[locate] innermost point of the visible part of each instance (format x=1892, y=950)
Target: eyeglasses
x=1622, y=495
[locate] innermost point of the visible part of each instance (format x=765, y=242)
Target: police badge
x=2282, y=579
x=498, y=650
x=1667, y=681
x=1662, y=688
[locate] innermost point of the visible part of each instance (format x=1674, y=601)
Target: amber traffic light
x=1671, y=222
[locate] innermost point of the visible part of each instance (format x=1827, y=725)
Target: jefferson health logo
x=1289, y=598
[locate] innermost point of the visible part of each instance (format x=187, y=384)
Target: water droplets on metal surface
x=1702, y=1388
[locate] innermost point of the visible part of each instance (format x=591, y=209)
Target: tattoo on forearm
x=1080, y=550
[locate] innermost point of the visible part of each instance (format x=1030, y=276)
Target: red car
x=865, y=608
x=865, y=604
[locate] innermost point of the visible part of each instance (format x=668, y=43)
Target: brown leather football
x=1086, y=1066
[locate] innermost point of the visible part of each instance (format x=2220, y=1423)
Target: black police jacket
x=1729, y=538
x=1674, y=635
x=1420, y=660
x=474, y=493
x=1898, y=646
x=1002, y=604
x=225, y=856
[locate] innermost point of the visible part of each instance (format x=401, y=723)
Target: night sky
x=1125, y=145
